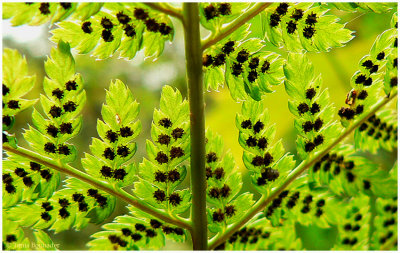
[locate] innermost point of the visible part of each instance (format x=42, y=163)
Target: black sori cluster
x=26, y=177
x=10, y=238
x=216, y=192
x=125, y=21
x=267, y=173
x=12, y=104
x=140, y=231
x=378, y=129
x=56, y=112
x=295, y=16
x=109, y=153
x=350, y=228
x=339, y=165
x=312, y=108
x=390, y=221
x=174, y=152
x=293, y=200
x=246, y=236
x=100, y=199
x=238, y=63
x=217, y=9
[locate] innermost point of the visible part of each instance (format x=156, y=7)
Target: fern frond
x=111, y=159
x=123, y=28
x=353, y=225
x=16, y=83
x=162, y=173
x=368, y=82
x=385, y=236
x=267, y=161
x=363, y=7
x=310, y=105
x=258, y=234
x=244, y=65
x=225, y=206
x=40, y=13
x=303, y=26
x=136, y=231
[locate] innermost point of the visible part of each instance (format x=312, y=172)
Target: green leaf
x=111, y=159
x=16, y=83
x=364, y=7
x=127, y=38
x=41, y=13
x=43, y=241
x=310, y=105
x=247, y=67
x=267, y=162
x=377, y=75
x=303, y=26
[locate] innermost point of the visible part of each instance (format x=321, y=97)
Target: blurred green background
x=146, y=78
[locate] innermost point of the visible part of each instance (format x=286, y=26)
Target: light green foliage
x=258, y=234
x=126, y=28
x=16, y=83
x=303, y=26
x=380, y=7
x=129, y=232
x=343, y=191
x=310, y=105
x=267, y=162
x=111, y=159
x=243, y=64
x=62, y=104
x=380, y=131
x=377, y=73
x=353, y=225
x=225, y=205
x=164, y=170
x=385, y=236
x=41, y=13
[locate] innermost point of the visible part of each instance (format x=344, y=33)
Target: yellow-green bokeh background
x=145, y=79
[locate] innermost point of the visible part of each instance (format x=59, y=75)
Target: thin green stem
x=167, y=9
x=372, y=211
x=242, y=19
x=117, y=192
x=265, y=200
x=194, y=74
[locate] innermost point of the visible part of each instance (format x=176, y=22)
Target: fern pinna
x=188, y=190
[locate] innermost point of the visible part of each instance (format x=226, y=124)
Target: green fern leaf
x=244, y=65
x=303, y=26
x=225, y=206
x=41, y=13
x=163, y=171
x=310, y=104
x=369, y=82
x=267, y=162
x=111, y=155
x=16, y=83
x=126, y=29
x=364, y=7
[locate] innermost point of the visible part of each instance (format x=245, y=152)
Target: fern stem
x=167, y=9
x=265, y=200
x=372, y=210
x=248, y=15
x=197, y=124
x=117, y=192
